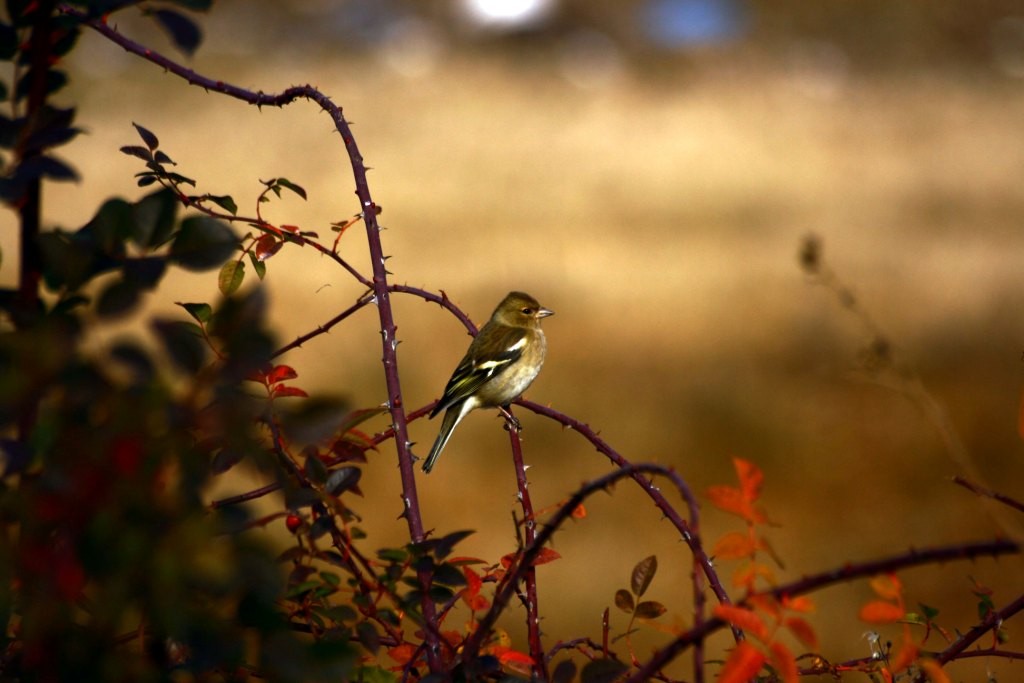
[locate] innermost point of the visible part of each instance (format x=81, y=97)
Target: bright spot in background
x=508, y=14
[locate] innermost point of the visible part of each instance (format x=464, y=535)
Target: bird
x=501, y=362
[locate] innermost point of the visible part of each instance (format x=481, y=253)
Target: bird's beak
x=543, y=313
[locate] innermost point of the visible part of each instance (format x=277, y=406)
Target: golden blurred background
x=646, y=169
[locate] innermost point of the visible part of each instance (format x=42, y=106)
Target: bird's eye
x=528, y=311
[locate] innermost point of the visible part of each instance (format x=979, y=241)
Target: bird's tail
x=452, y=416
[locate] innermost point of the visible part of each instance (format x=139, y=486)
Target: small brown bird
x=501, y=363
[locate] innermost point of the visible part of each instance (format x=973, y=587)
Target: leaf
x=602, y=671
x=118, y=299
x=201, y=312
x=138, y=151
x=546, y=555
x=934, y=670
x=225, y=202
x=743, y=664
x=202, y=243
x=733, y=546
x=887, y=586
x=643, y=574
x=183, y=343
x=650, y=609
x=146, y=273
x=45, y=167
x=225, y=459
x=368, y=636
x=343, y=479
x=624, y=600
x=743, y=619
x=258, y=266
x=881, y=612
x=803, y=632
x=284, y=182
x=316, y=470
x=801, y=603
x=153, y=218
x=183, y=31
x=784, y=662
x=751, y=478
x=280, y=373
x=285, y=391
x=267, y=246
x=564, y=672
x=147, y=137
x=232, y=273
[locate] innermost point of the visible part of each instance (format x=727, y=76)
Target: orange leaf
x=906, y=655
x=881, y=612
x=934, y=671
x=803, y=632
x=733, y=546
x=767, y=604
x=473, y=582
x=785, y=663
x=730, y=499
x=280, y=373
x=751, y=477
x=744, y=662
x=798, y=604
x=546, y=555
x=742, y=618
x=402, y=653
x=887, y=586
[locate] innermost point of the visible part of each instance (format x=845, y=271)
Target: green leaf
x=343, y=479
x=368, y=636
x=153, y=218
x=225, y=202
x=643, y=573
x=145, y=272
x=183, y=343
x=118, y=299
x=201, y=312
x=650, y=609
x=8, y=41
x=202, y=243
x=393, y=554
x=316, y=471
x=564, y=672
x=259, y=266
x=602, y=671
x=297, y=189
x=624, y=600
x=447, y=575
x=148, y=138
x=183, y=31
x=231, y=275
x=111, y=226
x=137, y=151
x=313, y=420
x=357, y=417
x=55, y=80
x=194, y=5
x=225, y=459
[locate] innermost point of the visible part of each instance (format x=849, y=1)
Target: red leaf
x=280, y=390
x=742, y=665
x=881, y=612
x=744, y=619
x=546, y=555
x=267, y=246
x=803, y=632
x=403, y=653
x=280, y=373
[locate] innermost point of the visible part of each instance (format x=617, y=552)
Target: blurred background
x=647, y=169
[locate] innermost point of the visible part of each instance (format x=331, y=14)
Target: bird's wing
x=481, y=365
